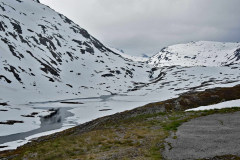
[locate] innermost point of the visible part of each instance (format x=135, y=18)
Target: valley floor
x=154, y=131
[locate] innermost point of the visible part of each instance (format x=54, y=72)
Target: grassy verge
x=140, y=137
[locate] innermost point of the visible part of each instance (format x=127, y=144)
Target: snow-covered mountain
x=202, y=53
x=44, y=52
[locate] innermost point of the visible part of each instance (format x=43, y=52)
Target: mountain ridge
x=202, y=53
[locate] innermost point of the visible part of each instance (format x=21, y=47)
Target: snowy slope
x=43, y=53
x=227, y=104
x=202, y=53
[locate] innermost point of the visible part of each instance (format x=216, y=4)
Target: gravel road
x=205, y=137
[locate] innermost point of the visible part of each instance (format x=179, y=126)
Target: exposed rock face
x=36, y=1
x=237, y=54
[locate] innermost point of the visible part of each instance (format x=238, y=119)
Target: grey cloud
x=145, y=26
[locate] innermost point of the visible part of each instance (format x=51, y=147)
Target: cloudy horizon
x=145, y=26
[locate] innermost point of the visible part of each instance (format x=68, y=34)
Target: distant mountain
x=130, y=57
x=202, y=53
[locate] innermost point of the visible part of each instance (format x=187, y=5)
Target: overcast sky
x=145, y=26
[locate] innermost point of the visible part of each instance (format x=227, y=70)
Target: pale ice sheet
x=17, y=114
x=14, y=144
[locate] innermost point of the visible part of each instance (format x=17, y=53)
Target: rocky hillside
x=44, y=52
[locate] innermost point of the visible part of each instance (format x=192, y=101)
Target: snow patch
x=227, y=104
